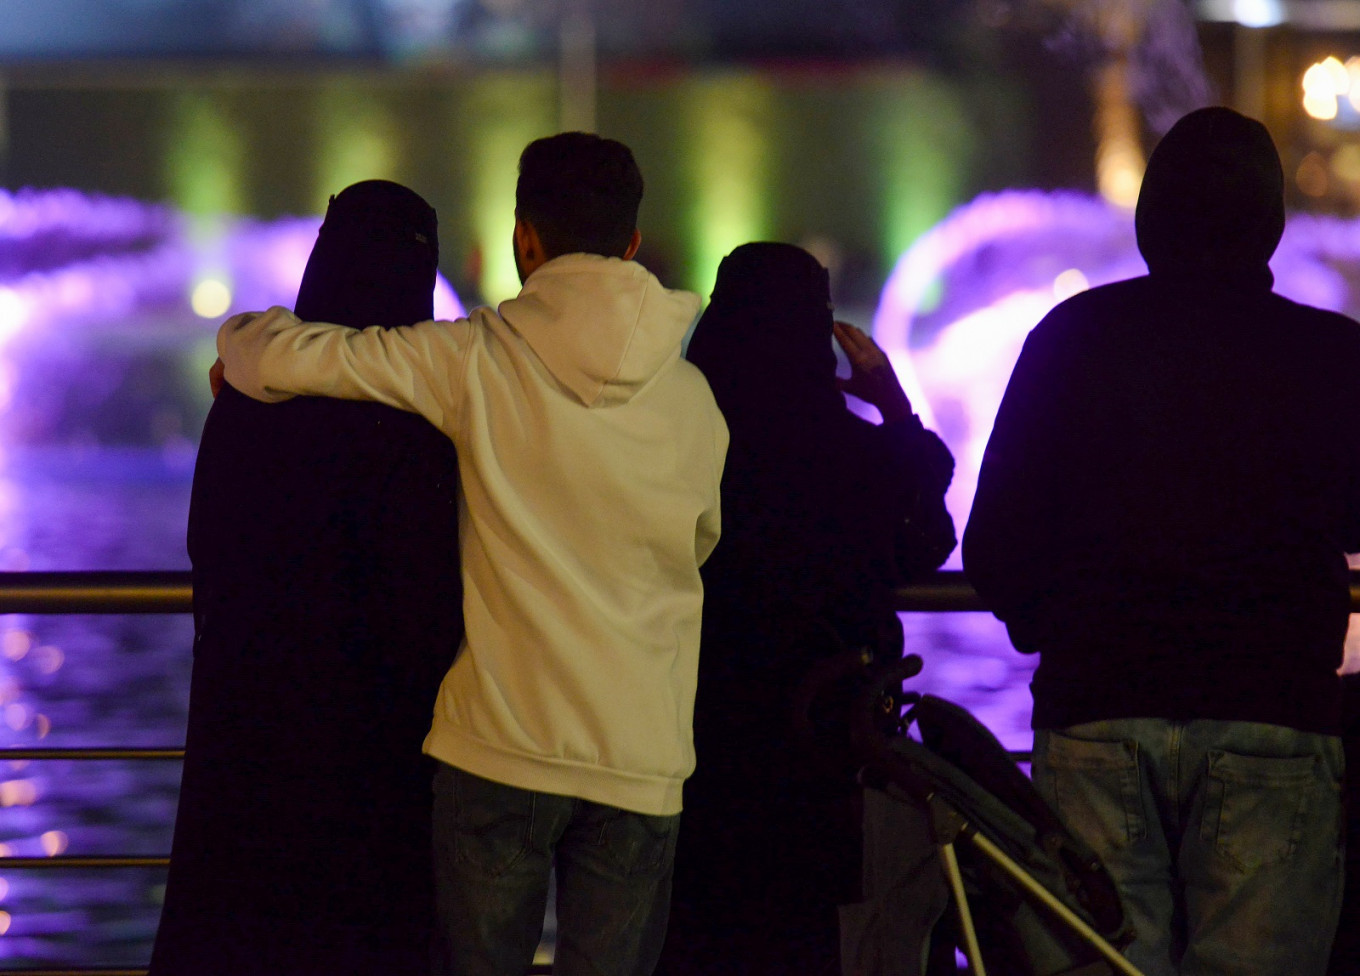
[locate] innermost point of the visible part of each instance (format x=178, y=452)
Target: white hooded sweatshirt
x=590, y=456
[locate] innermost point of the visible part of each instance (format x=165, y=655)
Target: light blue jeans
x=1225, y=838
x=494, y=846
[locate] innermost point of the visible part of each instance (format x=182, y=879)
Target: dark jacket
x=1173, y=478
x=327, y=607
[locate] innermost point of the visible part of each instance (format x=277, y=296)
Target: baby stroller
x=952, y=819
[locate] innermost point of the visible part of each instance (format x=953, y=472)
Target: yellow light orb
x=210, y=298
x=1337, y=76
x=1123, y=185
x=1321, y=106
x=1069, y=283
x=1316, y=81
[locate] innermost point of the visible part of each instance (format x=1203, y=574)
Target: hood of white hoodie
x=602, y=326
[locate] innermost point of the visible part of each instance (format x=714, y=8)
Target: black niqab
x=374, y=260
x=327, y=607
x=764, y=342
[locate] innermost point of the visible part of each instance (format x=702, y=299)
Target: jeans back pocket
x=1096, y=789
x=1256, y=806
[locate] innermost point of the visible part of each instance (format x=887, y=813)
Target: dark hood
x=374, y=261
x=764, y=342
x=1212, y=200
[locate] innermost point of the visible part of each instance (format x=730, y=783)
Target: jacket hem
x=651, y=795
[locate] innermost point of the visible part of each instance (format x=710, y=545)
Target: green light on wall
x=356, y=141
x=494, y=208
x=204, y=157
x=728, y=126
x=509, y=112
x=924, y=143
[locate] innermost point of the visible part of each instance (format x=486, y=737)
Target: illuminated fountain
x=118, y=291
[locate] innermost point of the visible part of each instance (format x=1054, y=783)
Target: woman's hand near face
x=872, y=377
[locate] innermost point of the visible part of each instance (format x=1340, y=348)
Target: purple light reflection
x=66, y=256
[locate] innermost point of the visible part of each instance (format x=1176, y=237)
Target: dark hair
x=580, y=192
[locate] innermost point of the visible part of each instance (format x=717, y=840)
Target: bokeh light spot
x=15, y=644
x=54, y=842
x=1311, y=176
x=18, y=793
x=1069, y=283
x=1258, y=13
x=210, y=298
x=1346, y=163
x=49, y=658
x=17, y=716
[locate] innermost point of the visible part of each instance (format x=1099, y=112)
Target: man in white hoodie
x=590, y=456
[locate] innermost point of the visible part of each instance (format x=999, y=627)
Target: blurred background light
x=54, y=842
x=727, y=121
x=210, y=298
x=1258, y=13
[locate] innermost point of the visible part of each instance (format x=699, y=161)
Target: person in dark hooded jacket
x=327, y=607
x=823, y=514
x=1162, y=514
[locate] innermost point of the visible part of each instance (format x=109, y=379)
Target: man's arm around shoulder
x=272, y=356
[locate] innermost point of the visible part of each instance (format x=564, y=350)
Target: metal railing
x=172, y=592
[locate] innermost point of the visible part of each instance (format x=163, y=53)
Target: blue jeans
x=1225, y=838
x=494, y=846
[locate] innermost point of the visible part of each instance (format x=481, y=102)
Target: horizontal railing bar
x=140, y=754
x=949, y=591
x=171, y=591
x=15, y=755
x=946, y=591
x=153, y=591
x=537, y=969
x=72, y=861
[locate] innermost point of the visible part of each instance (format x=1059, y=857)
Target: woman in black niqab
x=327, y=607
x=823, y=514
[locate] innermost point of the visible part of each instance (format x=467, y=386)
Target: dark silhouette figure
x=1346, y=948
x=327, y=607
x=1162, y=514
x=823, y=513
